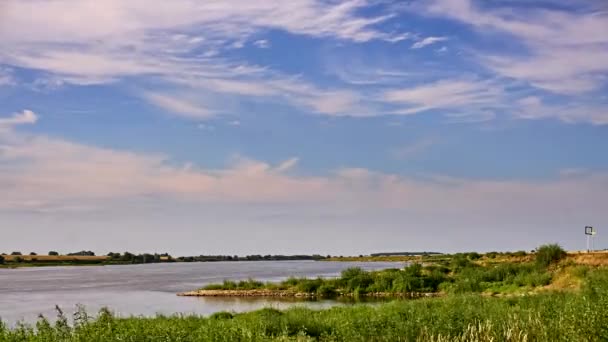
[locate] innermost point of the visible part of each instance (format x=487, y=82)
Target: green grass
x=458, y=275
x=548, y=316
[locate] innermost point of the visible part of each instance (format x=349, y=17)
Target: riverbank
x=546, y=316
x=294, y=294
x=549, y=268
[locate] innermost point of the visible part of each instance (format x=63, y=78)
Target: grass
x=547, y=316
x=460, y=274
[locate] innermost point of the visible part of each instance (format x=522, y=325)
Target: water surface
x=150, y=289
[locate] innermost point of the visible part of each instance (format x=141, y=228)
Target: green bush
x=549, y=254
x=222, y=315
x=309, y=285
x=326, y=291
x=474, y=256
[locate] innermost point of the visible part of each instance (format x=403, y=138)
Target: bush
x=309, y=285
x=222, y=315
x=549, y=254
x=492, y=255
x=33, y=253
x=1, y=260
x=16, y=253
x=53, y=253
x=326, y=291
x=474, y=256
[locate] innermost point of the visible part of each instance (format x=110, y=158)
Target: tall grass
x=551, y=316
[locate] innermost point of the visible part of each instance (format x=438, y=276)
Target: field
x=581, y=257
x=55, y=258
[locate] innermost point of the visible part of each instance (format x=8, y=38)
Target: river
x=149, y=289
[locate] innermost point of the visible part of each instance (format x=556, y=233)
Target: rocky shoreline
x=291, y=294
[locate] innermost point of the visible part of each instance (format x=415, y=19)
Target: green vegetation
x=548, y=254
x=547, y=316
x=462, y=273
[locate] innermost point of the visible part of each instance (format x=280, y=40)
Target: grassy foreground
x=571, y=306
x=548, y=316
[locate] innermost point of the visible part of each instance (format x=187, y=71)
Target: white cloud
x=262, y=43
x=178, y=106
x=446, y=94
x=22, y=118
x=113, y=38
x=428, y=41
x=566, y=49
x=533, y=107
x=39, y=173
x=177, y=44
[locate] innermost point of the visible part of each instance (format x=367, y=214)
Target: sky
x=304, y=126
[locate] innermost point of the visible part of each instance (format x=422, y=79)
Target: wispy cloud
x=447, y=94
x=566, y=50
x=428, y=41
x=22, y=118
x=42, y=172
x=179, y=44
x=177, y=105
x=262, y=43
x=533, y=107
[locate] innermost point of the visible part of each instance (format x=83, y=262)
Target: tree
x=53, y=253
x=16, y=253
x=33, y=253
x=1, y=260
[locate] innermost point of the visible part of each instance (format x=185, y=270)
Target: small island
x=549, y=267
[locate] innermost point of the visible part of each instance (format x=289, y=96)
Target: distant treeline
x=405, y=253
x=76, y=258
x=249, y=257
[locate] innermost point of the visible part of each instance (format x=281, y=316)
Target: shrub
x=474, y=256
x=249, y=284
x=53, y=253
x=548, y=254
x=33, y=253
x=222, y=315
x=309, y=285
x=16, y=253
x=460, y=262
x=326, y=291
x=492, y=255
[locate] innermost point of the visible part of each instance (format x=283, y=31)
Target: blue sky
x=264, y=127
